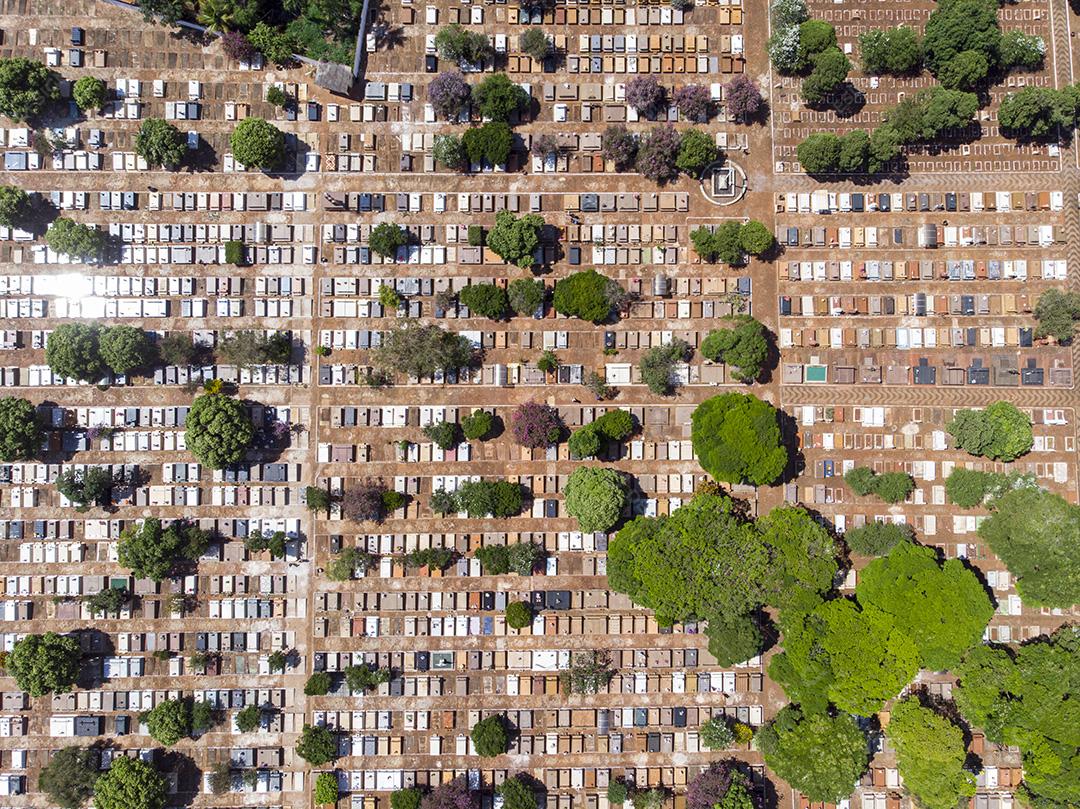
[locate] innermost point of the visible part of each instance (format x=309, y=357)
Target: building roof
x=334, y=77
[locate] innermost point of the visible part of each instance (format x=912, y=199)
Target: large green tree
x=822, y=756
x=942, y=607
x=597, y=497
x=160, y=143
x=130, y=783
x=73, y=351
x=27, y=88
x=317, y=745
x=736, y=437
x=14, y=205
x=151, y=552
x=930, y=754
x=516, y=238
x=587, y=294
x=1037, y=535
x=74, y=239
x=45, y=664
x=20, y=430
x=498, y=98
x=423, y=350
x=125, y=348
x=69, y=777
x=258, y=144
x=1000, y=432
x=1056, y=314
x=489, y=736
x=169, y=721
x=744, y=348
x=218, y=430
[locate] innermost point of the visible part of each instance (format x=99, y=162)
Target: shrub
x=590, y=672
x=481, y=498
x=617, y=792
x=526, y=295
x=386, y=238
x=421, y=351
x=892, y=487
x=1001, y=432
x=14, y=205
x=586, y=294
x=520, y=558
x=658, y=366
x=256, y=143
x=498, y=98
x=407, y=798
x=723, y=243
x=968, y=488
x=518, y=614
x=489, y=736
x=235, y=252
x=620, y=146
x=657, y=153
x=276, y=96
x=364, y=501
x=737, y=439
x=488, y=143
x=861, y=480
x=237, y=46
x=548, y=362
x=476, y=235
x=716, y=734
x=169, y=721
x=755, y=238
x=478, y=425
x=449, y=94
x=696, y=151
x=536, y=425
x=596, y=497
x=1056, y=314
x=646, y=95
x=248, y=718
x=516, y=793
x=878, y=538
x=326, y=788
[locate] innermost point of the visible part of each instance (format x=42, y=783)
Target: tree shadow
x=847, y=100
x=789, y=436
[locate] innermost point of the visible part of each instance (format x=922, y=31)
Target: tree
x=248, y=718
x=249, y=347
x=108, y=601
x=734, y=638
x=27, y=88
x=14, y=205
x=69, y=777
x=857, y=659
x=317, y=746
x=515, y=239
x=450, y=795
x=694, y=102
x=617, y=792
x=478, y=425
x=73, y=351
x=657, y=153
x=890, y=50
x=956, y=26
x=696, y=151
x=218, y=430
x=520, y=558
x=364, y=501
x=275, y=45
x=256, y=143
x=449, y=94
x=716, y=733
x=744, y=348
x=590, y=672
x=488, y=143
x=88, y=93
x=597, y=497
x=518, y=614
x=449, y=151
x=277, y=661
x=443, y=433
x=737, y=439
x=942, y=607
x=462, y=47
x=831, y=68
x=815, y=36
x=714, y=785
x=755, y=238
x=45, y=664
x=819, y=153
x=75, y=239
x=1056, y=314
x=480, y=498
x=160, y=143
x=877, y=538
x=163, y=12
x=125, y=348
x=884, y=148
x=534, y=42
x=237, y=46
x=362, y=678
x=803, y=557
x=406, y=798
x=130, y=783
x=1022, y=50
x=619, y=146
x=20, y=431
x=783, y=48
x=1035, y=113
x=821, y=756
x=1037, y=535
x=723, y=243
x=588, y=295
x=386, y=238
x=86, y=487
x=326, y=788
x=646, y=95
x=489, y=736
x=318, y=684
x=498, y=98
x=169, y=721
x=421, y=351
x=930, y=754
x=151, y=552
x=658, y=366
x=273, y=541
x=932, y=112
x=517, y=794
x=743, y=99
x=535, y=425
x=1000, y=432
x=854, y=152
x=526, y=295
x=892, y=487
x=965, y=71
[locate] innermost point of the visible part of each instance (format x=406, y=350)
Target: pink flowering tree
x=449, y=93
x=694, y=102
x=236, y=46
x=646, y=95
x=657, y=153
x=451, y=795
x=620, y=145
x=743, y=99
x=536, y=425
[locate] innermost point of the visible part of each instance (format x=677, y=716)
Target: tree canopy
x=586, y=294
x=737, y=439
x=1037, y=535
x=499, y=98
x=745, y=348
x=930, y=754
x=130, y=783
x=515, y=238
x=160, y=143
x=822, y=756
x=449, y=94
x=461, y=46
x=20, y=431
x=218, y=430
x=317, y=745
x=27, y=88
x=73, y=351
x=386, y=238
x=890, y=50
x=125, y=348
x=877, y=538
x=1000, y=432
x=489, y=736
x=597, y=497
x=45, y=664
x=490, y=143
x=169, y=721
x=14, y=205
x=1056, y=314
x=69, y=777
x=422, y=351
x=517, y=794
x=151, y=552
x=258, y=144
x=74, y=239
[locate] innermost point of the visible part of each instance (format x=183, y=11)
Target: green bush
x=489, y=736
x=407, y=798
x=696, y=151
x=518, y=614
x=326, y=788
x=498, y=98
x=488, y=300
x=861, y=480
x=878, y=538
x=443, y=433
x=526, y=295
x=658, y=366
x=716, y=733
x=27, y=88
x=744, y=348
x=478, y=425
x=318, y=684
x=968, y=488
x=586, y=294
x=737, y=439
x=317, y=746
x=597, y=497
x=617, y=792
x=515, y=238
x=386, y=238
x=520, y=558
x=88, y=93
x=235, y=252
x=476, y=235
